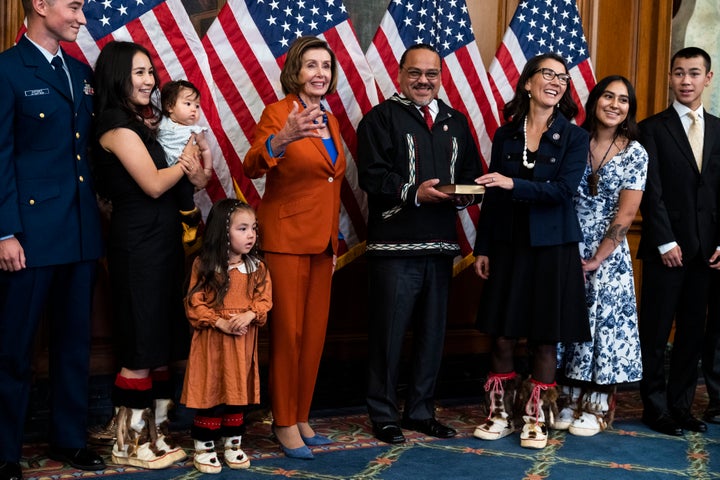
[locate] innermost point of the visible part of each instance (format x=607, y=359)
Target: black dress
x=533, y=292
x=145, y=257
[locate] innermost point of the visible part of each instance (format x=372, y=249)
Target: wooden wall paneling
x=11, y=17
x=653, y=58
x=613, y=38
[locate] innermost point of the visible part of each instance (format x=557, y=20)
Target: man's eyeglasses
x=549, y=74
x=414, y=73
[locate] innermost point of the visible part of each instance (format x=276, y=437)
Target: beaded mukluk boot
x=205, y=458
x=500, y=393
x=234, y=456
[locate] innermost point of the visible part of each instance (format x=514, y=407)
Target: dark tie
x=57, y=64
x=427, y=116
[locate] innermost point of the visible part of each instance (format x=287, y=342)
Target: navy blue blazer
x=561, y=160
x=680, y=203
x=46, y=196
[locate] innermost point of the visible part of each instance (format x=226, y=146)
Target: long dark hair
x=517, y=108
x=629, y=127
x=113, y=84
x=213, y=277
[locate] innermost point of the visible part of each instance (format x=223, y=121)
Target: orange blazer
x=299, y=212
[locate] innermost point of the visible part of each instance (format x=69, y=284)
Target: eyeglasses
x=414, y=73
x=549, y=74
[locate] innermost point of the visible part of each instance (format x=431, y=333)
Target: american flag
x=246, y=48
x=164, y=28
x=444, y=24
x=541, y=26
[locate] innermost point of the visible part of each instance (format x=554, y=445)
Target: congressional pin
x=556, y=136
x=445, y=128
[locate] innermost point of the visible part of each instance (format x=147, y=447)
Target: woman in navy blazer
x=528, y=231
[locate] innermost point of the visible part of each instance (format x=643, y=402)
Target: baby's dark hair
x=170, y=91
x=214, y=256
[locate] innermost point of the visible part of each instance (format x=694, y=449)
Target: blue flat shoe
x=316, y=440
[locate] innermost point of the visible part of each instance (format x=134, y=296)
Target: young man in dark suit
x=678, y=243
x=49, y=231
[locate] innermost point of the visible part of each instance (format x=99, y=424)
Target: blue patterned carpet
x=629, y=451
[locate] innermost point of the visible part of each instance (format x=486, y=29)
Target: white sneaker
x=495, y=427
x=564, y=419
x=205, y=458
x=234, y=456
x=587, y=425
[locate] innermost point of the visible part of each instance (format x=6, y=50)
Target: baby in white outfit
x=181, y=112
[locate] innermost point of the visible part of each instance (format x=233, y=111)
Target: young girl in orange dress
x=228, y=299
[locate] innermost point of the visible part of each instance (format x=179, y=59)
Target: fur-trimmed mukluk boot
x=540, y=411
x=234, y=456
x=205, y=458
x=598, y=410
x=104, y=434
x=137, y=441
x=569, y=406
x=500, y=393
x=165, y=439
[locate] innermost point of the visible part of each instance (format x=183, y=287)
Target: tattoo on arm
x=616, y=233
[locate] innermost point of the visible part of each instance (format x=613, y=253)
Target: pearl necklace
x=527, y=164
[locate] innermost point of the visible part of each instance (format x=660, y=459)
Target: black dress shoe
x=429, y=426
x=664, y=424
x=712, y=414
x=388, y=432
x=10, y=471
x=691, y=423
x=80, y=458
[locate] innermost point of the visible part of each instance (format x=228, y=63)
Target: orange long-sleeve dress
x=222, y=368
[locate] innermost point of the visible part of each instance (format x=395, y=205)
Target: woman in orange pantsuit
x=297, y=146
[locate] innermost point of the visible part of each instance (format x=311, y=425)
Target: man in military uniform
x=49, y=231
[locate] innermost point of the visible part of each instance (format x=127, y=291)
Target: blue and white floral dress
x=613, y=356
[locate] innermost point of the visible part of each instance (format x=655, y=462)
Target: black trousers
x=406, y=292
x=680, y=293
x=711, y=347
x=65, y=292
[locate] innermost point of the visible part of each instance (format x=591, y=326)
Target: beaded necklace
x=593, y=179
x=322, y=109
